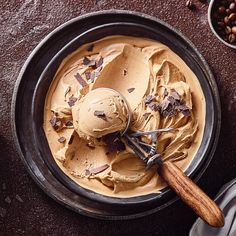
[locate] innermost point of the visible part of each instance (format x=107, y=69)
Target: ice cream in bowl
x=122, y=84
x=162, y=92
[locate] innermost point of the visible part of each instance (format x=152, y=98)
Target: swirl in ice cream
x=162, y=92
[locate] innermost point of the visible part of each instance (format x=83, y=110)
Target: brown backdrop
x=23, y=24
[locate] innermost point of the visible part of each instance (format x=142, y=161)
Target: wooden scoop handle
x=191, y=194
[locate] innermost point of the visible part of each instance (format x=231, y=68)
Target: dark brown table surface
x=28, y=211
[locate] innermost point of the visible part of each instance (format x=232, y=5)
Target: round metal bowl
x=32, y=86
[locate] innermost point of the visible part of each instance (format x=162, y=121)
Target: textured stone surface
x=22, y=25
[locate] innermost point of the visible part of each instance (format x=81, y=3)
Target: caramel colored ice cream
x=162, y=92
x=98, y=113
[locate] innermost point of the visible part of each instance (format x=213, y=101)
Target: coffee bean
x=221, y=9
x=232, y=6
x=232, y=16
x=233, y=30
x=231, y=38
x=228, y=30
x=228, y=12
x=227, y=20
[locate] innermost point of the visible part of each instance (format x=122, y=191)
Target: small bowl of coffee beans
x=222, y=20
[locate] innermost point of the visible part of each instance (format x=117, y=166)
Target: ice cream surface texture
x=162, y=92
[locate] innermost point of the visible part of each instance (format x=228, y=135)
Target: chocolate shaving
x=175, y=94
x=146, y=115
x=113, y=142
x=86, y=61
x=154, y=106
x=100, y=114
x=171, y=100
x=130, y=90
x=71, y=139
x=80, y=80
x=55, y=122
x=61, y=139
x=90, y=48
x=184, y=109
x=165, y=92
x=149, y=99
x=72, y=101
x=99, y=62
x=96, y=170
x=167, y=108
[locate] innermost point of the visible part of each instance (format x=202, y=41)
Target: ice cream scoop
x=100, y=112
x=104, y=111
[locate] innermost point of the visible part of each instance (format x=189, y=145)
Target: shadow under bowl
x=28, y=109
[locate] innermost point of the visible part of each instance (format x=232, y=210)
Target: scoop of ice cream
x=100, y=112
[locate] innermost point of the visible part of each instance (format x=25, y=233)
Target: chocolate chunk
x=100, y=114
x=154, y=106
x=165, y=93
x=130, y=90
x=175, y=94
x=96, y=170
x=86, y=61
x=71, y=139
x=90, y=48
x=80, y=80
x=113, y=142
x=61, y=139
x=99, y=62
x=146, y=115
x=72, y=101
x=125, y=72
x=149, y=99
